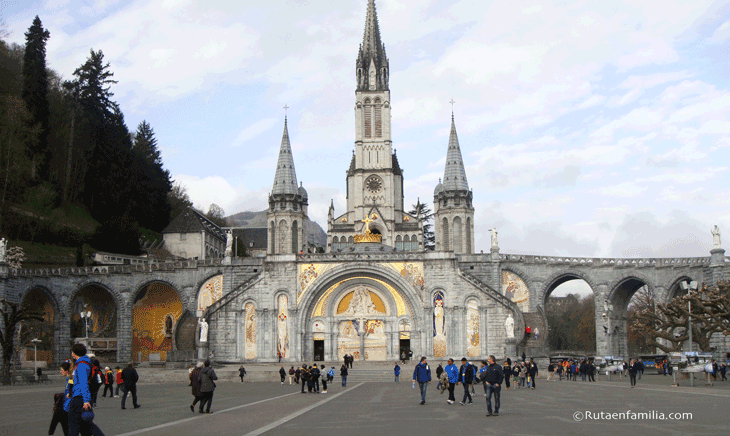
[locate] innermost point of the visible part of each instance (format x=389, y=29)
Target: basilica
x=372, y=291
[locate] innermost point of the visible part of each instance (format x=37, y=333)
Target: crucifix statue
x=367, y=222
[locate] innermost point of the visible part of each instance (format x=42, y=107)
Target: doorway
x=405, y=348
x=318, y=351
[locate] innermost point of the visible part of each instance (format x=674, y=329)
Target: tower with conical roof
x=374, y=179
x=287, y=204
x=452, y=203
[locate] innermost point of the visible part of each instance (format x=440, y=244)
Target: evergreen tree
x=152, y=181
x=178, y=199
x=429, y=238
x=35, y=93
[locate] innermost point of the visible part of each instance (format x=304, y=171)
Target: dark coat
x=195, y=382
x=466, y=373
x=422, y=373
x=493, y=374
x=207, y=377
x=130, y=378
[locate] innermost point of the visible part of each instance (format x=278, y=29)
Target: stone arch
x=150, y=280
x=340, y=293
x=195, y=297
x=615, y=307
x=674, y=288
x=116, y=295
x=558, y=279
x=306, y=302
x=154, y=302
x=185, y=332
x=48, y=330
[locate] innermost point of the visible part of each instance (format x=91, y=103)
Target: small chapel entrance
x=318, y=351
x=405, y=348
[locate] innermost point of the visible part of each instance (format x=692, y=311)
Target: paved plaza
x=389, y=408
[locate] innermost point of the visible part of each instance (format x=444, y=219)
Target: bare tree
x=667, y=326
x=12, y=315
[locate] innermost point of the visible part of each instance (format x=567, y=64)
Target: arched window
x=399, y=243
x=458, y=239
x=282, y=237
x=335, y=243
x=272, y=238
x=414, y=243
x=350, y=241
x=295, y=237
x=367, y=118
x=468, y=236
x=445, y=233
x=378, y=118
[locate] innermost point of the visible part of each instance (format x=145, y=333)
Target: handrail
x=232, y=295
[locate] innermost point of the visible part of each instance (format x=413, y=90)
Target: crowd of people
x=84, y=377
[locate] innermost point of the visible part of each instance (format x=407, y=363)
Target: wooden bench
x=156, y=360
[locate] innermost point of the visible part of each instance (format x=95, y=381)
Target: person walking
x=439, y=371
x=297, y=375
x=343, y=374
x=96, y=381
x=195, y=383
x=422, y=375
x=532, y=373
x=396, y=372
x=190, y=374
x=120, y=382
x=207, y=386
x=466, y=376
x=130, y=378
x=633, y=368
x=452, y=372
x=60, y=416
x=291, y=374
x=108, y=382
x=493, y=377
x=324, y=379
x=242, y=372
x=80, y=395
x=282, y=374
x=515, y=376
x=507, y=371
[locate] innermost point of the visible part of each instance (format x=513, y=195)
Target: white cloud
x=721, y=34
x=253, y=131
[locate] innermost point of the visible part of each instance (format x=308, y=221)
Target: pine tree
x=152, y=181
x=429, y=237
x=35, y=93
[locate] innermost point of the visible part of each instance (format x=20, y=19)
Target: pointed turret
x=454, y=173
x=372, y=63
x=285, y=180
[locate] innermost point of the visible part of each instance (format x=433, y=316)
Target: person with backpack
x=96, y=381
x=207, y=386
x=331, y=375
x=108, y=382
x=466, y=377
x=80, y=395
x=242, y=373
x=195, y=383
x=130, y=378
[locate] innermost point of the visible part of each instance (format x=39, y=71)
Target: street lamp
x=690, y=286
x=86, y=316
x=35, y=341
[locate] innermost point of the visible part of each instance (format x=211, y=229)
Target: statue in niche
x=439, y=326
x=715, y=238
x=509, y=325
x=203, y=330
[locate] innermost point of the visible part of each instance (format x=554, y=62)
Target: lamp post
x=86, y=316
x=35, y=341
x=690, y=286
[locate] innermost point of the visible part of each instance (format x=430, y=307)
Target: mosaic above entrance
x=400, y=304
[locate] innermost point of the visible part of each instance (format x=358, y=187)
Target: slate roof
x=285, y=180
x=192, y=221
x=454, y=173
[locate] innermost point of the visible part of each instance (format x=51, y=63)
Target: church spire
x=285, y=181
x=372, y=63
x=454, y=173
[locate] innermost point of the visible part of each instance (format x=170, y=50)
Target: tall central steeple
x=372, y=66
x=285, y=180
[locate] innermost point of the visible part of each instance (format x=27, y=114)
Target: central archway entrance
x=363, y=316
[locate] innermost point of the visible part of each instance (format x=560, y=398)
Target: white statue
x=509, y=325
x=494, y=237
x=361, y=303
x=715, y=238
x=203, y=330
x=4, y=249
x=229, y=243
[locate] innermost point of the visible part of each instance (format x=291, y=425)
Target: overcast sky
x=588, y=128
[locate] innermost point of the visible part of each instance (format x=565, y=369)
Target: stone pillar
x=603, y=338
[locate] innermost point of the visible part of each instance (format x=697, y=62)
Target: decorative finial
x=285, y=111
x=452, y=107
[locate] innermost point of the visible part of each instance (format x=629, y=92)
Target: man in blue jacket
x=422, y=375
x=80, y=394
x=396, y=371
x=466, y=376
x=453, y=373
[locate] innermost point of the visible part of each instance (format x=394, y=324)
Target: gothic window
x=350, y=240
x=374, y=184
x=398, y=243
x=282, y=237
x=372, y=79
x=445, y=233
x=468, y=236
x=378, y=119
x=272, y=236
x=295, y=237
x=367, y=118
x=335, y=243
x=458, y=239
x=414, y=243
